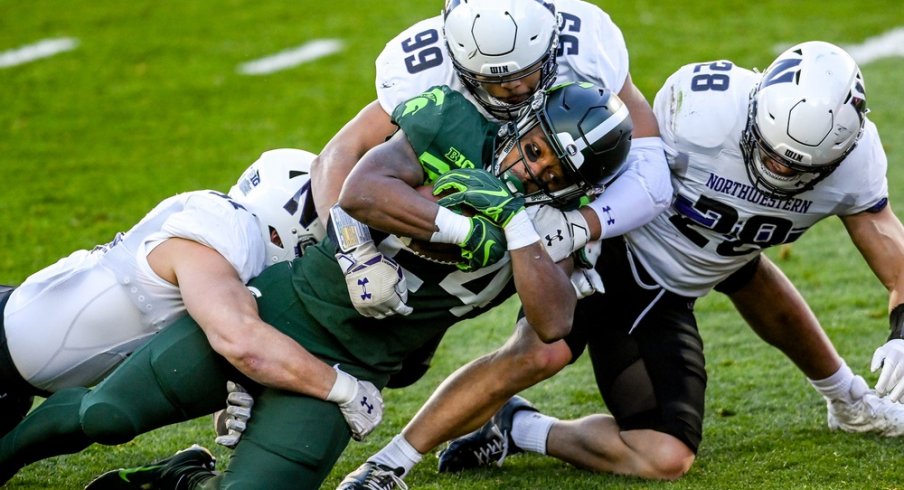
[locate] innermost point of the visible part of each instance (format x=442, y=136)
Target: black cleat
x=490, y=444
x=373, y=476
x=163, y=474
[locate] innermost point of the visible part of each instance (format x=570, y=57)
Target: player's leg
x=653, y=381
x=177, y=376
x=291, y=442
x=463, y=402
x=473, y=393
x=173, y=378
x=648, y=360
x=790, y=325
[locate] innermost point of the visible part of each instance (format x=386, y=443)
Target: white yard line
x=886, y=45
x=291, y=57
x=33, y=52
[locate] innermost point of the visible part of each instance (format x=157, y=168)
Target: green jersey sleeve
x=446, y=131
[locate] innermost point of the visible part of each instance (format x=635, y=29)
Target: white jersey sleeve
x=414, y=61
x=212, y=220
x=719, y=220
x=71, y=323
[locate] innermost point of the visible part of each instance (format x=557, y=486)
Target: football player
x=571, y=133
x=73, y=322
x=756, y=160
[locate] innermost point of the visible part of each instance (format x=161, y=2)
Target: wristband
x=451, y=227
x=344, y=388
x=520, y=231
x=896, y=319
x=349, y=232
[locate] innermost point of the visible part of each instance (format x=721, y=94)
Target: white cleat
x=869, y=413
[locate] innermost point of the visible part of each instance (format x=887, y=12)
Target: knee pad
x=108, y=423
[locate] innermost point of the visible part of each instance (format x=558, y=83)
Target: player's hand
x=561, y=232
x=890, y=357
x=376, y=284
x=359, y=401
x=480, y=190
x=586, y=282
x=238, y=411
x=484, y=245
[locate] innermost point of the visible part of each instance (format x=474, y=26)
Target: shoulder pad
x=702, y=108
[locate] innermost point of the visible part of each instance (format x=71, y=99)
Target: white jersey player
x=721, y=219
x=756, y=160
x=71, y=323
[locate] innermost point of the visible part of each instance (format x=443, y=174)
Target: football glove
x=480, y=190
x=376, y=284
x=238, y=411
x=890, y=357
x=562, y=232
x=359, y=401
x=485, y=244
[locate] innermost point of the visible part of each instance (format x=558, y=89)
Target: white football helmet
x=807, y=114
x=496, y=41
x=274, y=188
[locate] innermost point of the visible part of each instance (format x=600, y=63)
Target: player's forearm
x=637, y=196
x=273, y=359
x=370, y=127
x=545, y=291
x=328, y=172
x=231, y=322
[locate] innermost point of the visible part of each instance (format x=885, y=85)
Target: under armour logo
x=363, y=283
x=550, y=238
x=610, y=220
x=364, y=403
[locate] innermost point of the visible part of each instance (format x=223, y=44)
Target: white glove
x=586, y=282
x=890, y=357
x=238, y=411
x=359, y=401
x=376, y=284
x=561, y=232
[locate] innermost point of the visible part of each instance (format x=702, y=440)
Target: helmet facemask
x=499, y=109
x=498, y=42
x=599, y=152
x=806, y=115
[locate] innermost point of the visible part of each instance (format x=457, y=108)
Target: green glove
x=479, y=190
x=484, y=245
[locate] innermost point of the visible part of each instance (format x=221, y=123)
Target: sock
x=840, y=385
x=398, y=454
x=530, y=430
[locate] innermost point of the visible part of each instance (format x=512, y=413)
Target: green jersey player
x=294, y=440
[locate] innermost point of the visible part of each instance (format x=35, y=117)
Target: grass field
x=150, y=103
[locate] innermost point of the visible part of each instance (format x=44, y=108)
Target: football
x=443, y=253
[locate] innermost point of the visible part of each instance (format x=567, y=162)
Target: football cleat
x=163, y=474
x=373, y=476
x=490, y=444
x=870, y=414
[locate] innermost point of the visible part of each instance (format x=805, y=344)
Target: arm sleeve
x=213, y=221
x=639, y=194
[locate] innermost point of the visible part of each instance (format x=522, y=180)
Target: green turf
x=150, y=104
